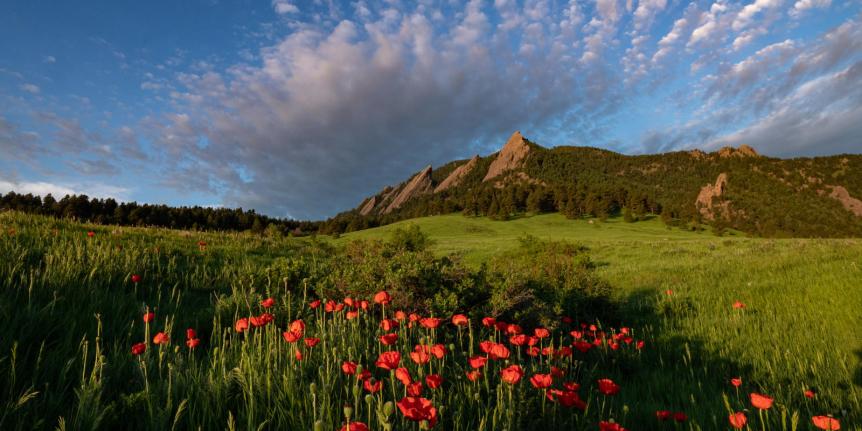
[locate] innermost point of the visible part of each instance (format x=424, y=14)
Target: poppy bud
x=369, y=398
x=356, y=391
x=348, y=412
x=313, y=388
x=388, y=408
x=318, y=426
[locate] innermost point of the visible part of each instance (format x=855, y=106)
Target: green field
x=71, y=314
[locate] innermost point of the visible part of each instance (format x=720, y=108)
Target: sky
x=301, y=109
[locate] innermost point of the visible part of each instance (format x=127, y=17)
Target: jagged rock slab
x=457, y=175
x=420, y=184
x=510, y=157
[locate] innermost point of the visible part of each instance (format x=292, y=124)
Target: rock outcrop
x=420, y=184
x=368, y=206
x=510, y=157
x=457, y=175
x=705, y=205
x=742, y=151
x=852, y=204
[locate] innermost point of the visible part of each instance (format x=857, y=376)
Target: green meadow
x=72, y=313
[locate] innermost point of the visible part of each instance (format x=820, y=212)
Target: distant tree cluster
x=109, y=211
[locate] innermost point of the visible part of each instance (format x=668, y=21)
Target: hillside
x=730, y=188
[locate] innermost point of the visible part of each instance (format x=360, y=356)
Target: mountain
x=729, y=188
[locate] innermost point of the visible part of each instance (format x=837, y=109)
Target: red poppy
x=563, y=351
x=680, y=417
x=541, y=333
x=262, y=320
x=400, y=316
x=352, y=314
x=191, y=333
x=477, y=361
x=348, y=367
x=663, y=415
x=488, y=321
x=583, y=346
x=460, y=320
x=576, y=334
x=91, y=234
x=572, y=386
x=268, y=302
x=136, y=278
x=566, y=398
x=241, y=325
x=485, y=346
x=512, y=374
x=161, y=338
x=668, y=292
x=148, y=317
x=382, y=297
x=433, y=381
x=809, y=394
x=557, y=373
x=826, y=423
x=414, y=389
x=610, y=426
x=761, y=401
x=389, y=339
x=372, y=385
x=430, y=322
x=193, y=342
x=138, y=348
x=533, y=351
x=329, y=307
x=514, y=329
x=298, y=355
x=608, y=387
x=388, y=324
x=541, y=381
x=438, y=351
x=388, y=360
x=311, y=342
x=474, y=375
x=640, y=344
x=501, y=326
x=518, y=340
x=364, y=375
x=354, y=426
x=291, y=337
x=737, y=420
x=419, y=355
x=418, y=409
x=499, y=351
x=314, y=304
x=403, y=376
x=738, y=304
x=363, y=304
x=736, y=381
x=350, y=302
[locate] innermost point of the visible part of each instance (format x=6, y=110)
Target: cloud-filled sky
x=302, y=108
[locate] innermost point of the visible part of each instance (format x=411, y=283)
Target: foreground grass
x=798, y=331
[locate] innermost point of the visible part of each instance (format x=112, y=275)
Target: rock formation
x=420, y=184
x=510, y=157
x=457, y=175
x=742, y=151
x=704, y=202
x=852, y=204
x=368, y=206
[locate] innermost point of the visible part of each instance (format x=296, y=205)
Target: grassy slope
x=803, y=296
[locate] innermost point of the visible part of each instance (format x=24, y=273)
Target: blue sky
x=302, y=108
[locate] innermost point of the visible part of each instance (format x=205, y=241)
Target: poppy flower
x=541, y=381
x=640, y=344
x=191, y=333
x=485, y=346
x=761, y=401
x=314, y=304
x=433, y=381
x=298, y=355
x=736, y=381
x=430, y=322
x=663, y=415
x=460, y=320
x=512, y=374
x=403, y=376
x=382, y=297
x=608, y=387
x=364, y=375
x=739, y=304
x=477, y=361
x=518, y=340
x=311, y=341
x=438, y=351
x=576, y=334
x=514, y=329
x=91, y=234
x=352, y=314
x=268, y=302
x=566, y=398
x=668, y=292
x=572, y=386
x=419, y=355
x=400, y=316
x=138, y=348
x=418, y=409
x=350, y=302
x=193, y=342
x=388, y=360
x=680, y=417
x=388, y=324
x=583, y=346
x=329, y=307
x=541, y=333
x=348, y=368
x=737, y=420
x=610, y=426
x=826, y=423
x=291, y=337
x=389, y=339
x=363, y=304
x=499, y=351
x=501, y=326
x=414, y=389
x=339, y=307
x=148, y=317
x=161, y=338
x=262, y=320
x=354, y=426
x=488, y=321
x=241, y=325
x=809, y=394
x=474, y=375
x=532, y=341
x=372, y=385
x=136, y=278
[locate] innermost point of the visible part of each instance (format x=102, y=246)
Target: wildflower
x=736, y=381
x=430, y=322
x=268, y=302
x=433, y=381
x=400, y=316
x=389, y=339
x=348, y=367
x=512, y=374
x=297, y=327
x=610, y=426
x=354, y=426
x=136, y=278
x=138, y=348
x=572, y=386
x=352, y=314
x=314, y=304
x=298, y=355
x=311, y=341
x=640, y=344
x=364, y=375
x=739, y=304
x=382, y=297
x=488, y=321
x=191, y=333
x=583, y=346
x=541, y=333
x=485, y=346
x=193, y=342
x=474, y=375
x=518, y=340
x=241, y=325
x=608, y=387
x=737, y=420
x=148, y=317
x=514, y=329
x=419, y=355
x=403, y=376
x=761, y=401
x=460, y=320
x=438, y=351
x=414, y=389
x=663, y=415
x=566, y=398
x=91, y=234
x=372, y=385
x=291, y=337
x=418, y=409
x=388, y=324
x=388, y=360
x=498, y=351
x=161, y=338
x=809, y=394
x=541, y=381
x=477, y=361
x=680, y=417
x=826, y=423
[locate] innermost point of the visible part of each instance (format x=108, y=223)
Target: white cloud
x=747, y=14
x=284, y=7
x=50, y=59
x=31, y=88
x=801, y=6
